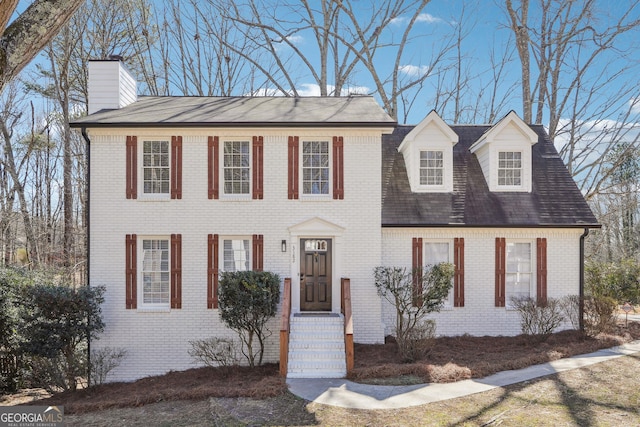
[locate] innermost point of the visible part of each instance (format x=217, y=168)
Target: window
x=236, y=255
x=509, y=168
x=436, y=253
x=237, y=167
x=156, y=287
x=315, y=167
x=155, y=158
x=519, y=274
x=431, y=168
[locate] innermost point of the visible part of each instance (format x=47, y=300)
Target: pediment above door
x=316, y=227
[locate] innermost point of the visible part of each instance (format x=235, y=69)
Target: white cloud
x=423, y=17
x=414, y=70
x=428, y=18
x=295, y=39
x=312, y=89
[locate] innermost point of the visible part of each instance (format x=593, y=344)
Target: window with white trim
x=156, y=282
x=155, y=165
x=315, y=167
x=509, y=168
x=237, y=167
x=436, y=252
x=236, y=254
x=519, y=278
x=432, y=167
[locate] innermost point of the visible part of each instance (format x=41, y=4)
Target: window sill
x=154, y=309
x=316, y=198
x=150, y=198
x=236, y=198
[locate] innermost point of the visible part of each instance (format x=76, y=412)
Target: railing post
x=284, y=327
x=345, y=305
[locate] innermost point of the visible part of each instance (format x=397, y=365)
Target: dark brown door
x=315, y=274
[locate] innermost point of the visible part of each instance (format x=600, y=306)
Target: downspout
x=581, y=294
x=87, y=237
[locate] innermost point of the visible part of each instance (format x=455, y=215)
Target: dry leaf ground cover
x=452, y=359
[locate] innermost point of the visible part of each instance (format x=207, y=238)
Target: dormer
x=504, y=153
x=428, y=155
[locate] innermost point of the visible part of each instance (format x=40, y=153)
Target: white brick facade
x=158, y=341
x=479, y=316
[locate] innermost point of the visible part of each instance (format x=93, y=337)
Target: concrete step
x=316, y=347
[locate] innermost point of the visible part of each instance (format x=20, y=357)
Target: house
x=320, y=191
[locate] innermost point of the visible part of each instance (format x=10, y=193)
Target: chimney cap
x=115, y=57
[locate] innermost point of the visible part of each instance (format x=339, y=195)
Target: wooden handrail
x=284, y=327
x=345, y=305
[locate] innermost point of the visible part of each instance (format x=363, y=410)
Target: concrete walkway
x=347, y=394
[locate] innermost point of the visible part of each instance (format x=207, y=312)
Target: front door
x=315, y=274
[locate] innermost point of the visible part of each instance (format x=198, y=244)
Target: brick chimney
x=111, y=85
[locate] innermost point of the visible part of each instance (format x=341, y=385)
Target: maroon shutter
x=258, y=147
x=458, y=278
x=131, y=298
x=131, y=165
x=176, y=167
x=258, y=248
x=501, y=263
x=293, y=166
x=213, y=164
x=417, y=270
x=541, y=276
x=212, y=271
x=176, y=271
x=338, y=167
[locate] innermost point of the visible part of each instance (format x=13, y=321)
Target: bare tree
x=22, y=39
x=347, y=38
x=582, y=78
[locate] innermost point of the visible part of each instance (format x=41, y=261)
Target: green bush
x=247, y=301
x=57, y=321
x=620, y=280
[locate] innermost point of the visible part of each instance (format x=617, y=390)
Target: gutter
x=88, y=236
x=581, y=291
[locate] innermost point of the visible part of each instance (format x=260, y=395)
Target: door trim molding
x=315, y=228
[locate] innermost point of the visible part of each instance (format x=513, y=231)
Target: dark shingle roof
x=555, y=200
x=274, y=111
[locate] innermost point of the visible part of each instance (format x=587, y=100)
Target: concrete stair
x=316, y=346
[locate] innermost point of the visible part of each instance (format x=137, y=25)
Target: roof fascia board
x=386, y=126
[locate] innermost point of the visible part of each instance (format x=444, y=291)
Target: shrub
x=103, y=361
x=599, y=314
x=214, y=352
x=538, y=320
x=57, y=321
x=413, y=295
x=419, y=341
x=10, y=357
x=570, y=306
x=247, y=300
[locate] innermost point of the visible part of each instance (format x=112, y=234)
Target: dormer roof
x=432, y=119
x=495, y=130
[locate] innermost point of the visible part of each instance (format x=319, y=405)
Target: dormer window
x=504, y=154
x=510, y=168
x=428, y=155
x=431, y=168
